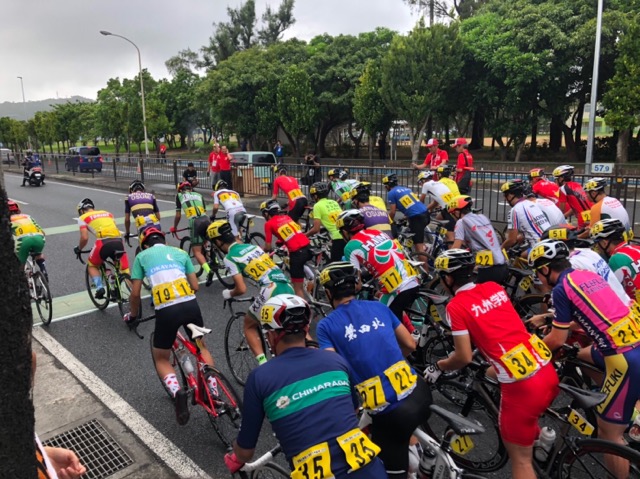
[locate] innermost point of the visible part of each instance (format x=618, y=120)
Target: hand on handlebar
x=173, y=230
x=232, y=462
x=226, y=294
x=431, y=373
x=77, y=250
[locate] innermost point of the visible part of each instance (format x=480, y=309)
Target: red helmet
x=147, y=233
x=184, y=185
x=14, y=209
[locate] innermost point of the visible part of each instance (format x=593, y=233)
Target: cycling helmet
x=363, y=187
x=351, y=221
x=271, y=206
x=453, y=260
x=29, y=153
x=390, y=180
x=320, y=189
x=425, y=176
x=220, y=185
x=14, y=209
x=444, y=170
x=609, y=228
x=136, y=185
x=459, y=203
x=343, y=175
x=221, y=230
x=338, y=275
x=285, y=312
x=184, y=185
x=515, y=187
x=332, y=172
x=536, y=173
x=84, y=204
x=595, y=184
x=148, y=233
x=564, y=232
x=547, y=251
x=564, y=171
x=279, y=168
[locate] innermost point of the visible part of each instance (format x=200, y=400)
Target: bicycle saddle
x=459, y=424
x=434, y=297
x=197, y=331
x=585, y=399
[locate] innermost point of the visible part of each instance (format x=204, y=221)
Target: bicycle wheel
x=587, y=460
x=43, y=298
x=173, y=359
x=123, y=292
x=257, y=239
x=270, y=470
x=437, y=348
x=240, y=358
x=219, y=268
x=185, y=244
x=488, y=453
x=226, y=403
x=530, y=304
x=91, y=289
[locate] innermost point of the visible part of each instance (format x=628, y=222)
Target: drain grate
x=97, y=450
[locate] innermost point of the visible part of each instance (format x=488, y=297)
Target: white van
x=6, y=156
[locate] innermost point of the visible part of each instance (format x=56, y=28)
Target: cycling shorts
x=337, y=249
x=399, y=301
x=522, y=404
x=296, y=208
x=29, y=244
x=621, y=384
x=198, y=229
x=109, y=248
x=235, y=218
x=497, y=273
x=297, y=259
x=451, y=221
x=265, y=293
x=417, y=224
x=169, y=320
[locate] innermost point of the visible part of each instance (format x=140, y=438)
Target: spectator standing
x=224, y=163
x=191, y=174
x=464, y=166
x=163, y=151
x=278, y=150
x=214, y=168
x=313, y=173
x=435, y=158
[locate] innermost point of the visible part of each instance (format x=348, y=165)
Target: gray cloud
x=58, y=50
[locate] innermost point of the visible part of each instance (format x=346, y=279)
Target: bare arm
x=462, y=355
x=317, y=224
x=84, y=238
x=134, y=298
x=511, y=239
x=405, y=340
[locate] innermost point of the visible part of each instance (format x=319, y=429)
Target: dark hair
x=466, y=210
x=362, y=197
x=462, y=276
x=346, y=290
x=189, y=164
x=154, y=240
x=559, y=265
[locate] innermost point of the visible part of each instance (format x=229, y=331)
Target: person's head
x=280, y=169
x=444, y=171
x=13, y=207
x=432, y=144
x=562, y=174
x=608, y=234
x=219, y=232
x=566, y=233
x=360, y=194
x=184, y=186
x=220, y=185
x=29, y=153
x=460, y=205
x=535, y=175
x=151, y=236
x=286, y=318
x=224, y=149
x=455, y=268
x=349, y=222
x=341, y=281
x=270, y=208
x=548, y=258
x=460, y=144
x=319, y=190
x=332, y=174
x=595, y=188
x=425, y=176
x=136, y=185
x=190, y=166
x=513, y=190
x=343, y=175
x=390, y=181
x=85, y=205
x=216, y=148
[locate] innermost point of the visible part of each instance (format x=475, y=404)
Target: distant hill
x=17, y=110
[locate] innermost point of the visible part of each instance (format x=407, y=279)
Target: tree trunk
x=429, y=128
x=534, y=140
x=555, y=133
x=477, y=131
x=572, y=151
x=372, y=140
x=622, y=146
x=17, y=447
x=519, y=151
x=577, y=138
x=322, y=138
x=357, y=140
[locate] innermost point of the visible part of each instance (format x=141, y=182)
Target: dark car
x=83, y=159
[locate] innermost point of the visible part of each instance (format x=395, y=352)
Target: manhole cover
x=97, y=450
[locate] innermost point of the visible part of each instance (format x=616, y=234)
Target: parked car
x=255, y=158
x=83, y=159
x=7, y=156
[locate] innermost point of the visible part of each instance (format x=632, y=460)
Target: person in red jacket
x=291, y=187
x=224, y=163
x=464, y=166
x=435, y=158
x=214, y=168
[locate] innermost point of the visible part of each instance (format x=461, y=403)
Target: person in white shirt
x=525, y=218
x=438, y=195
x=232, y=204
x=604, y=206
x=549, y=208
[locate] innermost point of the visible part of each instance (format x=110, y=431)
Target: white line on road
x=166, y=450
x=21, y=202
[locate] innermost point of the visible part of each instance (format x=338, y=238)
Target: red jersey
x=465, y=162
x=484, y=312
x=287, y=230
x=547, y=189
x=213, y=162
x=433, y=161
x=290, y=186
x=224, y=162
x=573, y=194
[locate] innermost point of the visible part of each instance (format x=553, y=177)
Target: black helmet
x=343, y=175
x=390, y=180
x=338, y=275
x=547, y=251
x=595, y=184
x=453, y=260
x=271, y=206
x=84, y=204
x=444, y=171
x=285, y=312
x=320, y=189
x=351, y=221
x=609, y=228
x=136, y=185
x=515, y=187
x=361, y=191
x=564, y=232
x=220, y=185
x=279, y=168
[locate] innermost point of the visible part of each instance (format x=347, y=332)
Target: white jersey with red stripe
x=527, y=218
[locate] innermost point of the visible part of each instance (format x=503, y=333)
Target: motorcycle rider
x=29, y=162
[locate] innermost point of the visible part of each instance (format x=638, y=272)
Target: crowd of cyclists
x=358, y=356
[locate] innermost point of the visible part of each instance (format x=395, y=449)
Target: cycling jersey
x=406, y=201
x=191, y=203
x=587, y=298
x=573, y=194
x=438, y=191
x=342, y=190
x=100, y=223
x=452, y=185
x=609, y=207
x=625, y=264
x=230, y=201
x=378, y=202
x=327, y=212
x=527, y=218
x=589, y=260
x=28, y=236
x=479, y=235
x=252, y=262
x=551, y=211
x=290, y=186
x=287, y=230
x=383, y=259
x=167, y=268
x=144, y=208
x=310, y=408
x=547, y=189
x=375, y=218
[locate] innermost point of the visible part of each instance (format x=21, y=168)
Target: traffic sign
x=606, y=168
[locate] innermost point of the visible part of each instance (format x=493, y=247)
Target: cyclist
x=439, y=196
x=231, y=203
x=444, y=171
x=475, y=231
x=108, y=243
x=402, y=198
x=383, y=259
x=572, y=194
x=310, y=408
x=605, y=206
x=611, y=325
x=482, y=316
x=543, y=188
x=291, y=187
x=250, y=261
x=340, y=187
x=195, y=209
x=173, y=286
x=374, y=343
x=143, y=206
x=373, y=208
x=549, y=208
x=525, y=218
x=325, y=213
x=287, y=231
x=29, y=238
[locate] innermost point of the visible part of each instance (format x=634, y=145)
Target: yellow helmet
x=219, y=229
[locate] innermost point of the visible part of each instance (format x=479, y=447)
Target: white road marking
x=20, y=202
x=166, y=450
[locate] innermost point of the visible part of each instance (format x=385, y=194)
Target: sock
x=97, y=281
x=171, y=383
x=206, y=268
x=213, y=385
x=261, y=358
x=43, y=266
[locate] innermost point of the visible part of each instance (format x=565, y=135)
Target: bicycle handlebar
x=80, y=253
x=133, y=326
x=262, y=460
x=235, y=300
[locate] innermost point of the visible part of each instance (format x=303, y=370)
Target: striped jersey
x=527, y=218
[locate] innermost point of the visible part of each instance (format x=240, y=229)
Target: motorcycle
x=34, y=175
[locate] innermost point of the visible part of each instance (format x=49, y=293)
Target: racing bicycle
x=117, y=284
x=39, y=289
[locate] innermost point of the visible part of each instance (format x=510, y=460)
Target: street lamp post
x=144, y=111
x=24, y=108
x=594, y=90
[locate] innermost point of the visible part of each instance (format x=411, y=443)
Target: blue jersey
x=406, y=201
x=306, y=394
x=363, y=332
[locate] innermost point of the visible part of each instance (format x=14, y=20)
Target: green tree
x=45, y=126
x=111, y=113
x=296, y=105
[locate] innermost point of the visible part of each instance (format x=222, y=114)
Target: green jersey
x=191, y=203
x=252, y=262
x=327, y=212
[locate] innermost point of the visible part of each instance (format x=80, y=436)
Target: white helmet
x=425, y=175
x=287, y=312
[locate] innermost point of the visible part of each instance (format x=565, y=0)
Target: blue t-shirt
x=363, y=333
x=406, y=201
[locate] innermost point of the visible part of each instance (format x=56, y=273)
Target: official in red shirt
x=291, y=187
x=464, y=166
x=224, y=163
x=214, y=168
x=435, y=158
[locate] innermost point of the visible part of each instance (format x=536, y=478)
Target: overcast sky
x=57, y=48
